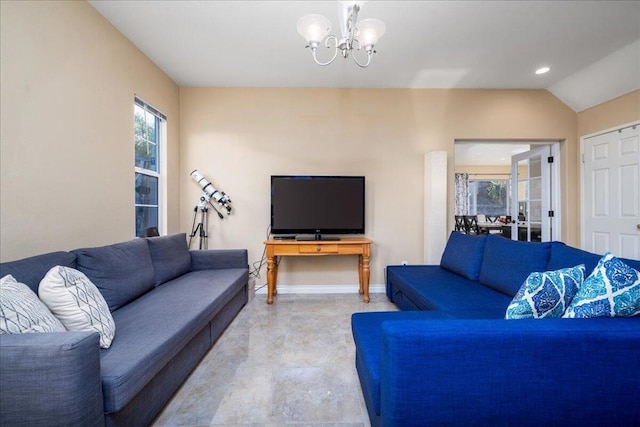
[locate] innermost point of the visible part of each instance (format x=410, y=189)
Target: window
x=149, y=126
x=489, y=197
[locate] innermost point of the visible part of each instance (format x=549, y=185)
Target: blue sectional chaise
x=169, y=305
x=449, y=357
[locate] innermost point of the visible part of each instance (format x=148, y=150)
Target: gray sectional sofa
x=169, y=305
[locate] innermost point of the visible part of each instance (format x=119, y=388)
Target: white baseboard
x=321, y=289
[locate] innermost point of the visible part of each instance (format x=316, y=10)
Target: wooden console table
x=345, y=246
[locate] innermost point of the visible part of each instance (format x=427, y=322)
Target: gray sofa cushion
x=170, y=256
x=214, y=259
x=122, y=271
x=151, y=331
x=30, y=271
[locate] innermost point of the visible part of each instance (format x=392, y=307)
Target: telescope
x=210, y=192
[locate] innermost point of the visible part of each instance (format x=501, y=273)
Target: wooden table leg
x=365, y=277
x=361, y=290
x=275, y=276
x=272, y=272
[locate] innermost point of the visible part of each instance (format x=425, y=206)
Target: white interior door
x=611, y=193
x=531, y=195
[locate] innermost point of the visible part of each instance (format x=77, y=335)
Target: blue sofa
x=169, y=305
x=449, y=357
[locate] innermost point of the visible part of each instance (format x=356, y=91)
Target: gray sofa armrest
x=215, y=259
x=50, y=379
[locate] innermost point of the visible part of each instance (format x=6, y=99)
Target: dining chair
x=460, y=224
x=491, y=218
x=471, y=224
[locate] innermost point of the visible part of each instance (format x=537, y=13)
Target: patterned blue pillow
x=611, y=290
x=546, y=294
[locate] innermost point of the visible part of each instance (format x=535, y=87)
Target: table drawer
x=318, y=249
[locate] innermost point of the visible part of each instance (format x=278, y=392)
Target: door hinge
x=551, y=214
x=550, y=159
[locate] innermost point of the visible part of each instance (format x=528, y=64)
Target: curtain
x=462, y=193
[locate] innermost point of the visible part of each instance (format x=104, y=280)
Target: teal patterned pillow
x=546, y=294
x=611, y=290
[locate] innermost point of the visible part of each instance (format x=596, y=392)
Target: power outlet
x=404, y=262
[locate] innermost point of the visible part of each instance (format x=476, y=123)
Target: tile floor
x=290, y=363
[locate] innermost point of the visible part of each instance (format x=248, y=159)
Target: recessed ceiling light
x=543, y=70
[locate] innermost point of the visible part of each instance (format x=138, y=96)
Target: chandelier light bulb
x=314, y=28
x=369, y=31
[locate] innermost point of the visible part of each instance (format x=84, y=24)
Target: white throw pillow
x=77, y=302
x=22, y=312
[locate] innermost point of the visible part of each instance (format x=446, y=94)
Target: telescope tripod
x=201, y=228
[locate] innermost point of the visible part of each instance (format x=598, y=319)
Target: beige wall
x=68, y=79
x=67, y=83
x=239, y=137
x=618, y=111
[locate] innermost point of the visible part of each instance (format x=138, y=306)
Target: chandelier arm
x=326, y=43
x=370, y=53
x=330, y=38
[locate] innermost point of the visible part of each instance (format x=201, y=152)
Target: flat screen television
x=317, y=205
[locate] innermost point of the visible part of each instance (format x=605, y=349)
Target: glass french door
x=531, y=196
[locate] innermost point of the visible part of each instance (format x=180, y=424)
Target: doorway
x=611, y=191
x=529, y=211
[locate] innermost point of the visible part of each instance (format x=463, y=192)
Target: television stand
x=345, y=246
x=316, y=238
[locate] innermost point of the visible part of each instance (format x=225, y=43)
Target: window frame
x=473, y=193
x=159, y=173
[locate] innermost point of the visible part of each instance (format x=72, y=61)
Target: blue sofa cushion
x=563, y=256
x=122, y=272
x=507, y=263
x=546, y=294
x=431, y=287
x=157, y=326
x=463, y=254
x=30, y=271
x=611, y=290
x=170, y=256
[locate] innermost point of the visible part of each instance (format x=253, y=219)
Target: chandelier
x=355, y=35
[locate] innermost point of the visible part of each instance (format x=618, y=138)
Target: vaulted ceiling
x=592, y=47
